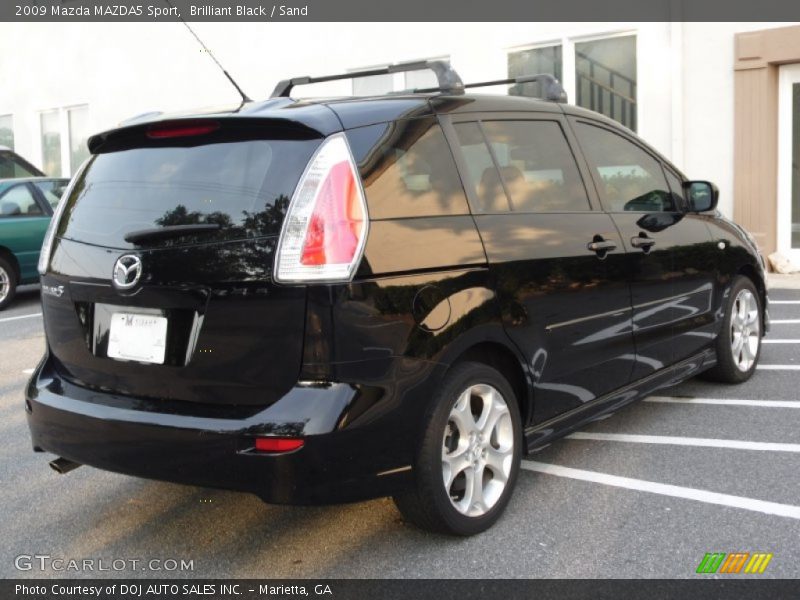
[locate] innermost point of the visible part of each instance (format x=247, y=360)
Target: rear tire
x=738, y=345
x=8, y=282
x=467, y=464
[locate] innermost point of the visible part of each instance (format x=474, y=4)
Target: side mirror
x=702, y=196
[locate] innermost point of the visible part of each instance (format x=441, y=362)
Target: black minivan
x=333, y=300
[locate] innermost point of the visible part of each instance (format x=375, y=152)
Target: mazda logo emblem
x=127, y=272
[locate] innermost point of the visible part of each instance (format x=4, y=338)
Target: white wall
x=707, y=104
x=685, y=71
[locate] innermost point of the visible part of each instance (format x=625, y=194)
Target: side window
x=676, y=187
x=481, y=172
x=19, y=202
x=536, y=167
x=407, y=170
x=52, y=190
x=631, y=179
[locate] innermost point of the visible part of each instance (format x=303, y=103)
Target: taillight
x=326, y=226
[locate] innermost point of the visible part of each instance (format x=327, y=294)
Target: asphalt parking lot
x=645, y=493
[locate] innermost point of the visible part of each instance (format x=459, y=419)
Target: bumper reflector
x=276, y=444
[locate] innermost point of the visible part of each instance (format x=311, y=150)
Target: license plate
x=142, y=338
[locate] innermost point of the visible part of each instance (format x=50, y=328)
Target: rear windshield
x=244, y=187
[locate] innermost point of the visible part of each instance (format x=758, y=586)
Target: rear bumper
x=214, y=448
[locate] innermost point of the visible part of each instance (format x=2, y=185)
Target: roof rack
x=553, y=91
x=448, y=79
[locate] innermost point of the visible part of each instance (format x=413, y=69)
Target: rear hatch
x=160, y=279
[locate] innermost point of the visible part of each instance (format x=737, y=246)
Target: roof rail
x=448, y=79
x=553, y=91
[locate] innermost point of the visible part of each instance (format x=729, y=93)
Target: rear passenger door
x=557, y=261
x=671, y=253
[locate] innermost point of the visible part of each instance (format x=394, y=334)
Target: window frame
x=448, y=123
x=618, y=130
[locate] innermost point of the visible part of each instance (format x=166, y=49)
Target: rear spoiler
x=199, y=131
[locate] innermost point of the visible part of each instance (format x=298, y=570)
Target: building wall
x=685, y=71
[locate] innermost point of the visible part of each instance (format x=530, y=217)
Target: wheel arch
x=502, y=356
x=753, y=275
x=9, y=255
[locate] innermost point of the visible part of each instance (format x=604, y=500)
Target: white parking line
x=783, y=341
x=20, y=317
x=28, y=371
x=726, y=402
x=783, y=321
x=778, y=367
x=642, y=485
x=784, y=301
x=683, y=441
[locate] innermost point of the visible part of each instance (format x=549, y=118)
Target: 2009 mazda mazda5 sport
x=333, y=300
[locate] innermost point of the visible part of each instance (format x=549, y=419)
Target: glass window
x=52, y=189
x=422, y=79
x=605, y=78
x=376, y=85
x=533, y=62
x=7, y=131
x=481, y=171
x=537, y=168
x=51, y=142
x=78, y=135
x=242, y=186
x=407, y=170
x=18, y=201
x=631, y=179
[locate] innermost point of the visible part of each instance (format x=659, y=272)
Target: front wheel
x=469, y=458
x=738, y=345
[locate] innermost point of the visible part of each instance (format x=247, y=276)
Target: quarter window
x=407, y=170
x=676, y=186
x=630, y=179
x=537, y=170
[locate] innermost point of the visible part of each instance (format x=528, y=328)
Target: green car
x=26, y=206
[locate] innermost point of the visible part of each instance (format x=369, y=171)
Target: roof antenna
x=245, y=97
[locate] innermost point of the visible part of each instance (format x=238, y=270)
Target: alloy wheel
x=745, y=330
x=477, y=450
x=5, y=284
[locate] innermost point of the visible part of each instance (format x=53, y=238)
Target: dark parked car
x=26, y=206
x=333, y=300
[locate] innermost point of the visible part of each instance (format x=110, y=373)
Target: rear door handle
x=643, y=242
x=600, y=245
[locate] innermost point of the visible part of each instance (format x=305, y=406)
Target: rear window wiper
x=169, y=231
